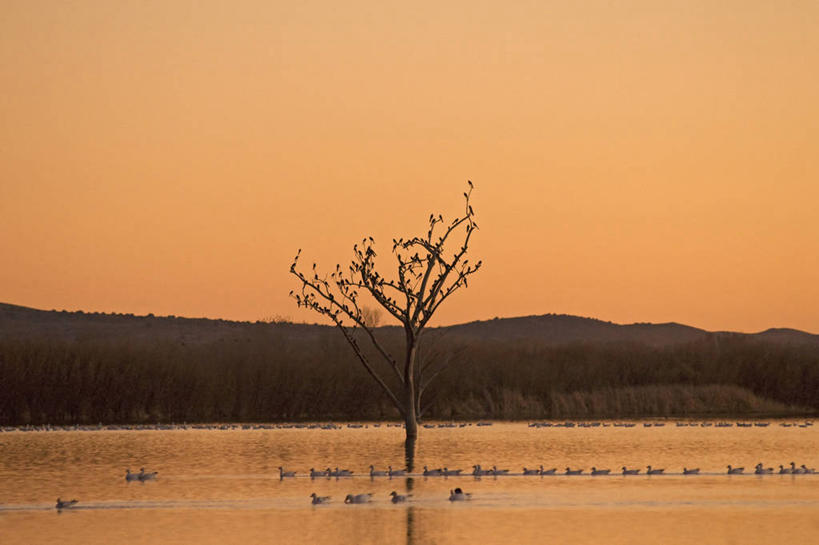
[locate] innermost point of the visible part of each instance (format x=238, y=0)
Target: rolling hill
x=543, y=330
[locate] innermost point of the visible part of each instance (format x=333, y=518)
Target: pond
x=218, y=486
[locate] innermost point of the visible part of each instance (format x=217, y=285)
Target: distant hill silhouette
x=554, y=329
x=544, y=330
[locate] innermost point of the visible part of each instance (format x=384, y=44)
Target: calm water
x=217, y=487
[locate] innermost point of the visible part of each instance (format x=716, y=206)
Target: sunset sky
x=633, y=161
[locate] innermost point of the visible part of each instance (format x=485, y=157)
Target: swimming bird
x=283, y=473
x=533, y=471
x=146, y=476
x=651, y=471
x=459, y=495
x=627, y=471
x=452, y=472
x=478, y=471
x=796, y=470
x=759, y=470
x=357, y=498
x=432, y=472
x=340, y=472
x=131, y=476
x=735, y=470
x=694, y=471
x=548, y=471
x=496, y=471
x=318, y=473
x=808, y=470
x=570, y=471
x=596, y=471
x=785, y=470
x=65, y=504
x=374, y=473
x=318, y=500
x=396, y=472
x=398, y=498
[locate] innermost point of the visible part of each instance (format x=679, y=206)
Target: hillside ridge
x=550, y=329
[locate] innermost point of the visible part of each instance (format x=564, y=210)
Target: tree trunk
x=411, y=419
x=410, y=409
x=411, y=424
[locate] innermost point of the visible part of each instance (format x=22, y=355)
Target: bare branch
x=335, y=307
x=371, y=371
x=428, y=272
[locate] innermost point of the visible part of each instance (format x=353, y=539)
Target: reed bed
x=268, y=374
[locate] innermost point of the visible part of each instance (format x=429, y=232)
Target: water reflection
x=409, y=454
x=410, y=485
x=410, y=525
x=224, y=486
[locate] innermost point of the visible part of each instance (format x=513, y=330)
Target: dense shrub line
x=268, y=374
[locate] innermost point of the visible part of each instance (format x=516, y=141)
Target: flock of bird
x=477, y=471
x=569, y=424
x=142, y=476
x=459, y=495
x=334, y=426
x=454, y=495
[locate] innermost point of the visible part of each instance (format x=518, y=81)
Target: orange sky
x=633, y=161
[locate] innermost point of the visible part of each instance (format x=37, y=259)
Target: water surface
x=223, y=486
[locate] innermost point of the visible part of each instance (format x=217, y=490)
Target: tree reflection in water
x=409, y=454
x=410, y=524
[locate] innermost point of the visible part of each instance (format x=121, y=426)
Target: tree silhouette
x=430, y=268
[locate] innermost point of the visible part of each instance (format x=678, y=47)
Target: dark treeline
x=267, y=373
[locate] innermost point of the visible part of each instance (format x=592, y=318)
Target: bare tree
x=430, y=268
x=371, y=316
